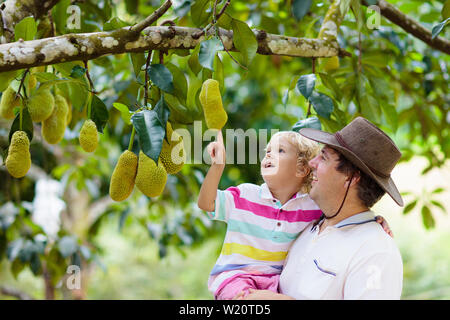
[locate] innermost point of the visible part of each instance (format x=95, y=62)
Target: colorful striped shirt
x=259, y=230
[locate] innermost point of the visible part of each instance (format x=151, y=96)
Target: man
x=346, y=254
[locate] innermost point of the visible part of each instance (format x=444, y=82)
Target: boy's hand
x=385, y=225
x=216, y=150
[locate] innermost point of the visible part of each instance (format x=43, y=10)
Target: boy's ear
x=302, y=170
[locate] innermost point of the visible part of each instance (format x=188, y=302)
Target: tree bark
x=88, y=46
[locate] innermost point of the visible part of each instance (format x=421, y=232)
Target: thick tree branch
x=88, y=46
x=14, y=11
x=412, y=26
x=137, y=28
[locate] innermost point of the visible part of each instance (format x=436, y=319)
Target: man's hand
x=385, y=225
x=216, y=150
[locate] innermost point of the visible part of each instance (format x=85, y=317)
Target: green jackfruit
x=211, y=100
x=18, y=161
x=41, y=105
x=8, y=103
x=123, y=177
x=150, y=179
x=89, y=136
x=53, y=127
x=172, y=154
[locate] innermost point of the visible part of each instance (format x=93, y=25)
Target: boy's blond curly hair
x=306, y=150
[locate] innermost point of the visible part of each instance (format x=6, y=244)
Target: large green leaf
x=124, y=112
x=207, y=53
x=427, y=218
x=138, y=60
x=201, y=10
x=370, y=108
x=305, y=84
x=99, y=113
x=114, y=23
x=161, y=77
x=150, y=131
x=312, y=122
x=322, y=103
x=179, y=81
x=26, y=29
x=300, y=8
x=5, y=79
x=244, y=40
x=193, y=62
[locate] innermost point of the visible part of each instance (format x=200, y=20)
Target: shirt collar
x=266, y=194
x=360, y=218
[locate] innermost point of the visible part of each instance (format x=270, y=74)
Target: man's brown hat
x=367, y=147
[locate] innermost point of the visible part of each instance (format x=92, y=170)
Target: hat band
x=341, y=141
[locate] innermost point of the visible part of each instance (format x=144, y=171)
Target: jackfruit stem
x=130, y=145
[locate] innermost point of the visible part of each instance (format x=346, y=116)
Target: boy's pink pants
x=243, y=282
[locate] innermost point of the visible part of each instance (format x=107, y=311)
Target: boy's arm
x=208, y=190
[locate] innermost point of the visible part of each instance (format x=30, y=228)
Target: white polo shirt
x=354, y=259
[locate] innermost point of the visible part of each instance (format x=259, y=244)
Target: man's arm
x=208, y=190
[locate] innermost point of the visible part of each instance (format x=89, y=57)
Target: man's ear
x=355, y=177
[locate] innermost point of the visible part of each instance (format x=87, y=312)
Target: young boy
x=262, y=221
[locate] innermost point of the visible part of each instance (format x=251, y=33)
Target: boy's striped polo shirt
x=259, y=230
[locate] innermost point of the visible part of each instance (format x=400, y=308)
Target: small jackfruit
x=211, y=100
x=41, y=105
x=18, y=161
x=329, y=64
x=8, y=103
x=150, y=179
x=123, y=176
x=172, y=154
x=54, y=126
x=89, y=136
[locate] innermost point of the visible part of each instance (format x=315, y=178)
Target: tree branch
x=14, y=11
x=411, y=26
x=88, y=46
x=137, y=28
x=12, y=292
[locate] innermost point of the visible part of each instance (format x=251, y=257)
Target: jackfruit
x=69, y=114
x=18, y=161
x=41, y=105
x=150, y=179
x=211, y=100
x=329, y=64
x=123, y=176
x=172, y=154
x=53, y=128
x=89, y=136
x=8, y=103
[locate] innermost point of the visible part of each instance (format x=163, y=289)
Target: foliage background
x=151, y=248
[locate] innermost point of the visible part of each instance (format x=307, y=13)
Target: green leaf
x=59, y=15
x=306, y=84
x=193, y=62
x=427, y=218
x=5, y=79
x=445, y=12
x=77, y=72
x=201, y=10
x=179, y=81
x=300, y=8
x=312, y=122
x=438, y=28
x=225, y=21
x=244, y=40
x=370, y=108
x=14, y=248
x=439, y=205
x=26, y=29
x=178, y=112
x=162, y=111
x=99, y=113
x=438, y=190
x=161, y=77
x=219, y=74
x=124, y=112
x=150, y=132
x=391, y=116
x=183, y=8
x=114, y=23
x=322, y=103
x=207, y=53
x=138, y=60
x=27, y=124
x=409, y=207
x=329, y=82
x=67, y=246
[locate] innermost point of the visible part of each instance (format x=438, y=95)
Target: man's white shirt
x=354, y=259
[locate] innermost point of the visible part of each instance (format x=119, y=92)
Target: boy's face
x=279, y=165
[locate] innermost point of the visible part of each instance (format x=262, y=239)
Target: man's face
x=328, y=184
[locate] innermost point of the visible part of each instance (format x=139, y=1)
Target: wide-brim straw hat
x=367, y=147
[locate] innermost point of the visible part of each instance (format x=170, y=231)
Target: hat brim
x=387, y=184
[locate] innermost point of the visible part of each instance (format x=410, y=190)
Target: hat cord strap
x=345, y=197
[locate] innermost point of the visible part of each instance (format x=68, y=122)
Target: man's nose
x=312, y=163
